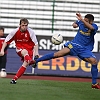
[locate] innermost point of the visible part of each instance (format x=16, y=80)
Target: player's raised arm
x=74, y=25
x=86, y=21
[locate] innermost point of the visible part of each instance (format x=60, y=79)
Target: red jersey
x=2, y=39
x=24, y=40
x=1, y=42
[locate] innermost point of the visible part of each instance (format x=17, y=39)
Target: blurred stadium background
x=47, y=17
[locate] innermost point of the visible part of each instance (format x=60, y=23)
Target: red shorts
x=18, y=51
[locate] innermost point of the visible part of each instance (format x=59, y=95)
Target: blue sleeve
x=77, y=22
x=95, y=27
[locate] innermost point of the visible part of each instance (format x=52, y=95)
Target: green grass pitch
x=47, y=90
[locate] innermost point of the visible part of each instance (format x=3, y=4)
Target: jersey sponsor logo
x=19, y=40
x=85, y=33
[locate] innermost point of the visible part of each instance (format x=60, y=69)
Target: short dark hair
x=2, y=28
x=24, y=20
x=90, y=17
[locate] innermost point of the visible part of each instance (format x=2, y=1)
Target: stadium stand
x=46, y=16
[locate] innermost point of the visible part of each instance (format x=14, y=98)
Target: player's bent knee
x=24, y=51
x=94, y=62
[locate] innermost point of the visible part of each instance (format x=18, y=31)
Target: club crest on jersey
x=25, y=35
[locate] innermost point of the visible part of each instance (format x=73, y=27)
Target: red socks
x=19, y=73
x=27, y=58
x=22, y=69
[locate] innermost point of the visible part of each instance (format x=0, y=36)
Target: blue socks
x=45, y=57
x=94, y=72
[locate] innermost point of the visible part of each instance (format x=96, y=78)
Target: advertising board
x=63, y=66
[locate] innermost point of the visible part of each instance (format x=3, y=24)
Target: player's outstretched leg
x=43, y=58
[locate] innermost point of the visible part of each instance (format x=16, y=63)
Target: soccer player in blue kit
x=81, y=46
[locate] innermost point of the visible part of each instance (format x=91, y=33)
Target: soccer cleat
x=96, y=86
x=35, y=64
x=13, y=82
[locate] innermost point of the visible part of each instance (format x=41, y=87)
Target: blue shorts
x=78, y=50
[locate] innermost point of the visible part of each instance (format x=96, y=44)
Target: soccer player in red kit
x=3, y=59
x=26, y=46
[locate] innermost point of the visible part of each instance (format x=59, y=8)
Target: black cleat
x=13, y=82
x=35, y=64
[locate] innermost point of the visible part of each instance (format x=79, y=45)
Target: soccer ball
x=57, y=39
x=3, y=74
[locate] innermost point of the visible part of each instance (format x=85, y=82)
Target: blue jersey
x=84, y=37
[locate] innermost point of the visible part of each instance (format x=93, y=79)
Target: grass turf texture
x=47, y=90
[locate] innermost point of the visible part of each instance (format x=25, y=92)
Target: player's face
x=1, y=32
x=87, y=20
x=23, y=26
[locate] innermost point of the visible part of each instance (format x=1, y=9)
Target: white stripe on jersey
x=10, y=35
x=32, y=35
